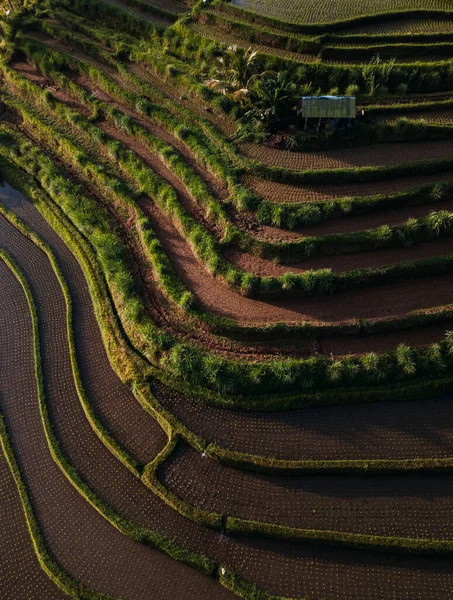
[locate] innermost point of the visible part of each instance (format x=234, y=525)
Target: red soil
x=266, y=563
x=213, y=295
x=342, y=262
x=112, y=401
x=102, y=558
x=395, y=216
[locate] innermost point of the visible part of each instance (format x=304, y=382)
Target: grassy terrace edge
x=232, y=525
x=205, y=246
x=114, y=340
x=177, y=356
x=225, y=576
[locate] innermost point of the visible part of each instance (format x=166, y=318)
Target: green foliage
x=271, y=99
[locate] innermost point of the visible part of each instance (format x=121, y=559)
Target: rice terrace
x=226, y=317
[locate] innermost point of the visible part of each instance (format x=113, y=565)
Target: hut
x=338, y=110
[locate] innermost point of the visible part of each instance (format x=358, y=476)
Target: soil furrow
x=265, y=562
x=212, y=295
x=273, y=191
x=342, y=262
x=376, y=431
x=20, y=571
x=102, y=558
x=112, y=401
x=367, y=156
x=407, y=507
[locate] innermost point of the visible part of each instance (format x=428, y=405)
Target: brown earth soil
x=363, y=431
x=314, y=571
x=267, y=563
x=402, y=506
x=112, y=401
x=28, y=71
x=285, y=308
x=347, y=158
x=338, y=345
x=102, y=558
x=434, y=117
x=342, y=262
x=285, y=193
x=20, y=571
x=214, y=185
x=378, y=302
x=394, y=216
x=145, y=16
x=163, y=227
x=345, y=224
x=248, y=221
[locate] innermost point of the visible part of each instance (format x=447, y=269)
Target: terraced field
x=226, y=357
x=312, y=12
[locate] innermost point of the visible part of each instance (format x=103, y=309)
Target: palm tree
x=235, y=68
x=271, y=97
